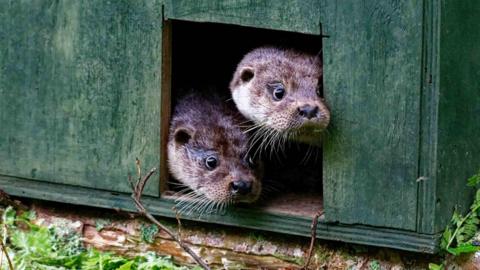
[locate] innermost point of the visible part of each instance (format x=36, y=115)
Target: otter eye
x=211, y=162
x=278, y=92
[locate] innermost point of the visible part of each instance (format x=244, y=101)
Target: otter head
x=280, y=90
x=207, y=153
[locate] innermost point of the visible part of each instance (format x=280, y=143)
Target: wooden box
x=86, y=87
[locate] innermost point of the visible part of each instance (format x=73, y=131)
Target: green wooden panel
x=372, y=79
x=242, y=216
x=80, y=90
x=458, y=149
x=291, y=15
x=428, y=122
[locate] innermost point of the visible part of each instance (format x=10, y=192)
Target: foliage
x=35, y=247
x=432, y=266
x=148, y=232
x=474, y=180
x=374, y=265
x=456, y=237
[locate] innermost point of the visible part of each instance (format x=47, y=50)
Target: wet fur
x=214, y=127
x=300, y=73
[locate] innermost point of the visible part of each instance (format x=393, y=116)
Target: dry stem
x=4, y=249
x=137, y=195
x=312, y=238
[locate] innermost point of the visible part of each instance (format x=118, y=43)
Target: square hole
x=204, y=56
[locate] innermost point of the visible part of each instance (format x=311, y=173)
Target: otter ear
x=247, y=74
x=183, y=135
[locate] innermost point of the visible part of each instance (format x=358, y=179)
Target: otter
x=207, y=152
x=280, y=91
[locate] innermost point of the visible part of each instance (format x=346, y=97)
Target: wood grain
x=458, y=145
x=372, y=61
x=80, y=90
x=301, y=16
x=246, y=217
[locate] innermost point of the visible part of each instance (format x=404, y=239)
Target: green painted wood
x=80, y=90
x=429, y=119
x=298, y=15
x=458, y=149
x=372, y=75
x=240, y=217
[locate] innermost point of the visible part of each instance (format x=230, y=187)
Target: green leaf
x=446, y=236
x=477, y=197
x=463, y=248
x=474, y=180
x=126, y=266
x=374, y=265
x=28, y=216
x=456, y=218
x=432, y=266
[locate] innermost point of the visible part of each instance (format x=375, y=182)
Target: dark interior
x=204, y=57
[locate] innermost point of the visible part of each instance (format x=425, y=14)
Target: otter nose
x=308, y=111
x=241, y=187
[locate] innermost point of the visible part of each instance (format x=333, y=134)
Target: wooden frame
x=441, y=89
x=241, y=217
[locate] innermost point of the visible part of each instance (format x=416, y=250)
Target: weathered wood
x=297, y=16
x=428, y=123
x=84, y=91
x=246, y=217
x=372, y=61
x=80, y=90
x=458, y=139
x=166, y=102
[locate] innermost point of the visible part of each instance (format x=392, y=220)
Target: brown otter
x=279, y=90
x=207, y=152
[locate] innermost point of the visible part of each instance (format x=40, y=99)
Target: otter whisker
x=258, y=136
x=253, y=127
x=263, y=144
x=199, y=206
x=273, y=143
x=206, y=207
x=190, y=195
x=189, y=201
x=200, y=210
x=306, y=156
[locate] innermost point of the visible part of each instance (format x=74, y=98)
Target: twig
x=312, y=239
x=137, y=195
x=1, y=260
x=10, y=264
x=5, y=198
x=179, y=222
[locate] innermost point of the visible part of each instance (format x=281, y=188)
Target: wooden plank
x=80, y=90
x=240, y=217
x=297, y=15
x=429, y=119
x=458, y=108
x=372, y=61
x=166, y=102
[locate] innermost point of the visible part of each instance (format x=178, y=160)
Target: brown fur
x=300, y=74
x=213, y=128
